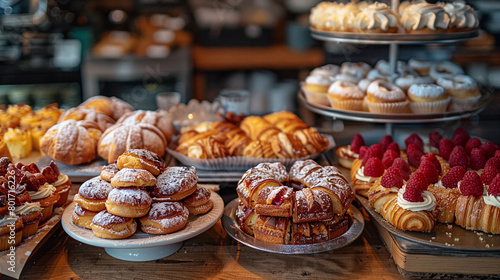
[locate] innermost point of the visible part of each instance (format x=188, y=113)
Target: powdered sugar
x=133, y=196
x=106, y=219
x=132, y=175
x=175, y=179
x=95, y=188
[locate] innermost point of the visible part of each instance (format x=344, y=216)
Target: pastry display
x=280, y=207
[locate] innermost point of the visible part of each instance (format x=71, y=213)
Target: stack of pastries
x=412, y=17
x=416, y=86
x=277, y=135
x=138, y=191
x=443, y=180
x=305, y=206
x=28, y=197
x=22, y=128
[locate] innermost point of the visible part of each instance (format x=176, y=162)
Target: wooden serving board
x=413, y=260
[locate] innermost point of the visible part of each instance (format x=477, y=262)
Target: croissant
x=258, y=128
x=311, y=139
x=71, y=142
x=472, y=212
x=379, y=195
x=236, y=141
x=286, y=121
x=187, y=139
x=285, y=146
x=160, y=121
x=261, y=149
x=207, y=148
x=446, y=201
x=80, y=113
x=403, y=219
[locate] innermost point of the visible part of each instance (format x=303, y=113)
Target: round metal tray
x=395, y=118
x=392, y=38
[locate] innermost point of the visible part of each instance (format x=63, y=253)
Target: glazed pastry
x=376, y=18
x=258, y=128
x=246, y=218
x=259, y=149
x=383, y=97
x=123, y=137
x=312, y=205
x=175, y=184
x=286, y=121
x=210, y=147
x=199, y=202
x=428, y=98
x=93, y=193
x=80, y=114
x=109, y=171
x=164, y=218
x=316, y=232
x=424, y=18
x=31, y=214
x=18, y=142
x=82, y=217
x=46, y=196
x=385, y=188
x=108, y=226
x=71, y=142
x=286, y=146
x=272, y=229
x=128, y=202
x=131, y=177
x=312, y=140
x=156, y=119
x=141, y=159
x=5, y=231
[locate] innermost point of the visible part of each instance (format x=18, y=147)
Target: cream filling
x=428, y=204
x=360, y=175
x=492, y=200
x=8, y=220
x=43, y=192
x=28, y=208
x=62, y=179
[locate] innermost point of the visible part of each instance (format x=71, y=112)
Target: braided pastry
x=260, y=149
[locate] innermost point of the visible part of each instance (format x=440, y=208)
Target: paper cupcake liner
x=460, y=105
x=430, y=107
x=46, y=213
x=63, y=197
x=4, y=240
x=354, y=105
x=388, y=108
x=30, y=228
x=316, y=98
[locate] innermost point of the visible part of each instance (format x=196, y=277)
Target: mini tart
x=428, y=98
x=5, y=231
x=345, y=96
x=82, y=217
x=386, y=98
x=346, y=156
x=108, y=226
x=131, y=177
x=62, y=185
x=141, y=159
x=128, y=202
x=31, y=215
x=165, y=217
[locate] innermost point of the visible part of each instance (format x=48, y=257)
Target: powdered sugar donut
x=93, y=193
x=385, y=97
x=128, y=202
x=175, y=184
x=165, y=217
x=109, y=226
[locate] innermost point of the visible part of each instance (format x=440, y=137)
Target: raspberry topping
x=414, y=153
x=460, y=137
x=477, y=159
x=489, y=149
x=471, y=144
x=451, y=179
x=414, y=139
x=392, y=178
x=434, y=138
x=374, y=167
x=376, y=151
x=471, y=184
x=488, y=174
x=458, y=157
x=430, y=171
x=494, y=187
x=432, y=158
x=388, y=158
x=362, y=152
x=445, y=148
x=385, y=141
x=494, y=161
x=395, y=147
x=403, y=167
x=357, y=142
x=414, y=188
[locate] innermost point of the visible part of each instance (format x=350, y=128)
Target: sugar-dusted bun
x=385, y=97
x=82, y=217
x=111, y=106
x=328, y=70
x=156, y=119
x=93, y=193
x=109, y=171
x=175, y=184
x=404, y=82
x=141, y=159
x=424, y=18
x=422, y=67
x=199, y=202
x=80, y=113
x=428, y=98
x=131, y=177
x=462, y=16
x=122, y=137
x=444, y=69
x=376, y=18
x=165, y=217
x=352, y=77
x=128, y=202
x=109, y=226
x=459, y=86
x=355, y=67
x=346, y=96
x=71, y=142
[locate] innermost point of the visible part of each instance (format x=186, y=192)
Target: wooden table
x=210, y=255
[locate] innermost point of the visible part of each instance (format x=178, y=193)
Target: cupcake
x=328, y=70
x=10, y=224
x=31, y=214
x=345, y=96
x=462, y=16
x=428, y=98
x=424, y=18
x=355, y=68
x=404, y=82
x=385, y=98
x=376, y=18
x=316, y=87
x=462, y=89
x=47, y=197
x=60, y=181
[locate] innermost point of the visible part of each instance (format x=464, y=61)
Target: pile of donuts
x=138, y=191
x=411, y=17
x=416, y=86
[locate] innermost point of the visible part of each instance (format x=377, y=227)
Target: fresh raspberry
x=432, y=158
x=403, y=167
x=388, y=158
x=414, y=187
x=430, y=171
x=376, y=150
x=374, y=167
x=489, y=149
x=471, y=144
x=357, y=142
x=413, y=194
x=471, y=184
x=458, y=157
x=489, y=174
x=445, y=148
x=434, y=138
x=494, y=187
x=392, y=178
x=414, y=153
x=497, y=153
x=414, y=139
x=451, y=179
x=477, y=159
x=494, y=161
x=460, y=137
x=362, y=152
x=385, y=141
x=395, y=147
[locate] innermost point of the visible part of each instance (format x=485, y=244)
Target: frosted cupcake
x=345, y=96
x=9, y=223
x=31, y=214
x=462, y=89
x=428, y=98
x=316, y=87
x=385, y=98
x=47, y=197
